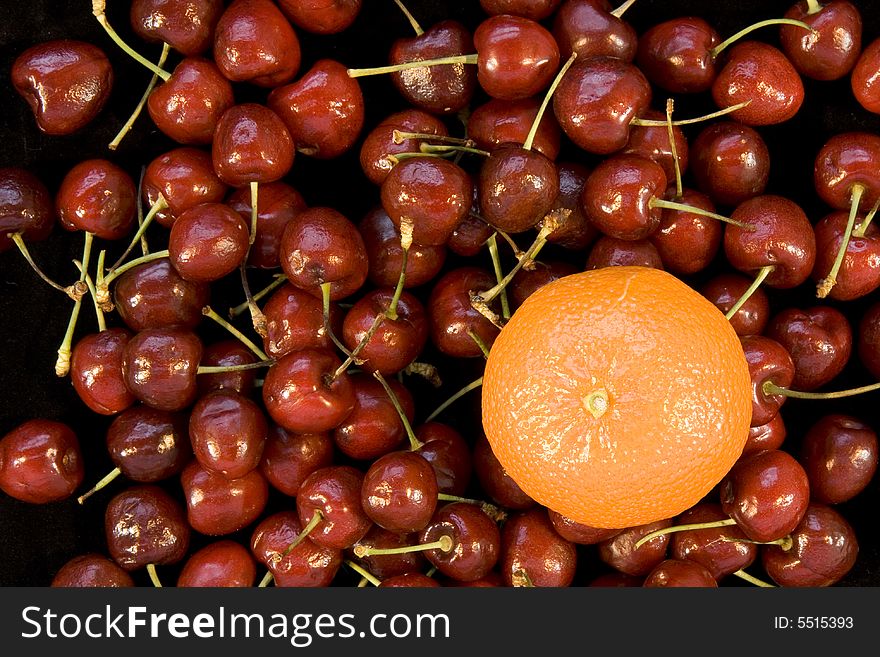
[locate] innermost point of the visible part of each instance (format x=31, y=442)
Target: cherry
x=219, y=506
x=399, y=492
x=819, y=341
x=306, y=565
x=188, y=28
x=688, y=242
x=768, y=361
x=25, y=207
x=40, y=462
x=839, y=454
x=279, y=204
x=573, y=231
x=590, y=28
x=613, y=252
x=323, y=110
x=91, y=570
x=383, y=556
x=577, y=532
x=227, y=353
x=188, y=106
x=730, y=162
x=681, y=573
x=448, y=453
x=96, y=371
x=722, y=549
x=526, y=282
x=475, y=539
x=373, y=428
x=228, y=432
x=533, y=554
x=868, y=340
x=766, y=436
x=653, y=142
x=846, y=166
x=823, y=550
x=453, y=318
x=830, y=51
x=766, y=493
x=493, y=478
x=223, y=563
x=255, y=43
x=294, y=321
x=859, y=271
x=409, y=580
x=146, y=527
x=622, y=553
x=725, y=289
x=472, y=235
x=387, y=139
x=321, y=17
x=324, y=247
x=498, y=122
x=304, y=393
x=329, y=506
x=160, y=367
x=65, y=82
x=99, y=197
x=184, y=177
x=536, y=10
x=863, y=79
x=207, y=242
x=288, y=458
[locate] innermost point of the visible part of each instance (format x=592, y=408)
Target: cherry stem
x=743, y=32
x=62, y=363
x=824, y=287
x=99, y=312
x=219, y=369
x=207, y=311
x=449, y=149
x=325, y=300
x=399, y=136
x=492, y=243
x=862, y=228
x=521, y=579
x=255, y=193
x=786, y=543
x=414, y=443
x=657, y=123
x=280, y=279
x=657, y=202
x=363, y=572
x=763, y=273
x=424, y=370
x=156, y=208
x=412, y=21
x=425, y=63
x=145, y=249
x=813, y=7
x=679, y=189
x=104, y=282
x=681, y=528
x=769, y=388
x=444, y=543
x=617, y=13
x=98, y=7
x=154, y=577
x=530, y=138
x=491, y=510
x=258, y=319
x=18, y=240
x=461, y=393
x=267, y=579
x=115, y=472
x=317, y=517
x=753, y=580
x=479, y=342
x=127, y=126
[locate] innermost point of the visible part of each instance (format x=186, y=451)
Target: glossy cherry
x=498, y=122
x=96, y=371
x=533, y=554
x=493, y=478
x=452, y=316
x=448, y=453
x=228, y=432
x=730, y=162
x=160, y=367
x=278, y=205
x=768, y=361
x=40, y=461
x=295, y=321
x=186, y=27
x=863, y=79
x=686, y=241
x=722, y=550
x=207, y=242
x=26, y=207
x=839, y=454
x=859, y=272
x=536, y=10
x=620, y=551
x=573, y=231
x=227, y=353
x=91, y=570
x=185, y=178
x=321, y=17
x=830, y=51
x=334, y=494
x=219, y=506
x=678, y=55
x=154, y=295
x=652, y=142
x=149, y=445
x=395, y=563
x=386, y=140
x=725, y=289
x=526, y=282
x=590, y=28
x=578, y=532
x=613, y=252
x=766, y=436
x=679, y=573
x=868, y=340
x=399, y=492
x=306, y=565
x=223, y=563
x=251, y=144
x=476, y=541
x=288, y=458
x=99, y=197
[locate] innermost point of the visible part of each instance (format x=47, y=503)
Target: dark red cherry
x=859, y=271
x=863, y=79
x=536, y=10
x=721, y=550
x=725, y=289
x=26, y=206
x=145, y=525
x=324, y=246
x=469, y=237
x=824, y=549
x=497, y=122
x=288, y=458
x=518, y=57
x=323, y=110
x=433, y=193
x=223, y=563
x=188, y=27
x=303, y=393
x=493, y=478
x=476, y=541
x=160, y=367
x=185, y=178
x=91, y=570
x=533, y=553
x=676, y=55
x=760, y=74
x=399, y=492
x=681, y=573
x=218, y=506
x=818, y=339
x=153, y=295
x=730, y=162
x=766, y=436
x=189, y=105
x=652, y=142
x=255, y=43
x=228, y=432
x=295, y=321
x=227, y=353
x=830, y=51
x=251, y=144
x=334, y=493
x=207, y=242
x=620, y=551
x=306, y=565
x=440, y=89
x=577, y=532
x=839, y=454
x=373, y=428
x=588, y=28
x=96, y=371
x=526, y=282
x=409, y=580
x=277, y=205
x=766, y=493
x=99, y=197
x=65, y=82
x=574, y=231
x=385, y=566
x=613, y=252
x=868, y=345
x=597, y=100
x=321, y=16
x=40, y=462
x=768, y=361
x=687, y=242
x=149, y=445
x=448, y=453
x=379, y=145
x=385, y=254
x=846, y=160
x=451, y=314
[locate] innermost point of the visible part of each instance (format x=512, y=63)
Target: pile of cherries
x=267, y=300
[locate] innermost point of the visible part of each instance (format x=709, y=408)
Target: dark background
x=36, y=540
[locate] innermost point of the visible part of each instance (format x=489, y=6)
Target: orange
x=617, y=397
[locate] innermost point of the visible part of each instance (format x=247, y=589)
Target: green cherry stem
x=751, y=579
x=751, y=28
x=444, y=543
x=479, y=342
x=656, y=202
x=19, y=242
x=209, y=312
x=145, y=248
x=412, y=21
x=813, y=7
x=658, y=123
x=278, y=281
x=473, y=385
x=380, y=70
x=862, y=228
x=763, y=273
x=157, y=207
x=530, y=138
x=325, y=300
x=400, y=136
x=491, y=510
x=769, y=388
x=127, y=126
x=154, y=576
x=62, y=363
x=98, y=7
x=363, y=572
x=414, y=443
x=823, y=288
x=99, y=312
x=492, y=244
x=679, y=189
x=682, y=528
x=115, y=472
x=617, y=13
